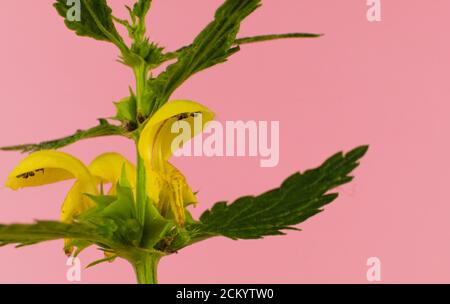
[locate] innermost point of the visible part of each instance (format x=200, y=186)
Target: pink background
x=383, y=84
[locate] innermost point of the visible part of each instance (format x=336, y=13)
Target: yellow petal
x=107, y=168
x=156, y=138
x=176, y=184
x=46, y=167
x=154, y=186
x=76, y=201
x=187, y=194
x=168, y=189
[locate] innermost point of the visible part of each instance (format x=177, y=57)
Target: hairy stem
x=140, y=73
x=146, y=269
x=141, y=191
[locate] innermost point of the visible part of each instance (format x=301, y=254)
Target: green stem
x=146, y=269
x=141, y=191
x=140, y=73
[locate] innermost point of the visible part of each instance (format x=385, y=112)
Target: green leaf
x=250, y=40
x=105, y=260
x=96, y=20
x=104, y=129
x=102, y=200
x=264, y=38
x=25, y=234
x=179, y=237
x=116, y=214
x=212, y=46
x=155, y=227
x=137, y=28
x=144, y=52
x=299, y=197
x=78, y=245
x=117, y=207
x=123, y=206
x=150, y=52
x=126, y=109
x=141, y=8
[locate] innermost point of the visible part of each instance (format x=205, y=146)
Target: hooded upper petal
x=107, y=168
x=155, y=143
x=46, y=167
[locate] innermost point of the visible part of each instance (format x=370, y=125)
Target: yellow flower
x=107, y=168
x=47, y=167
x=166, y=186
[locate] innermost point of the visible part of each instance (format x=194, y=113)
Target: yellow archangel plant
x=139, y=212
x=166, y=187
